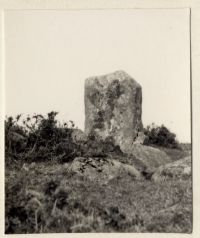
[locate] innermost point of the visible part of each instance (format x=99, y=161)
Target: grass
x=45, y=198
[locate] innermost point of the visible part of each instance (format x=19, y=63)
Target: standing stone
x=113, y=107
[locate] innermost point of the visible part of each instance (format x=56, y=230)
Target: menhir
x=113, y=108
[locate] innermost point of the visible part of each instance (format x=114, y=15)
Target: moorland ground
x=45, y=196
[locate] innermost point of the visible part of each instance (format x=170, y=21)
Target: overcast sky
x=50, y=53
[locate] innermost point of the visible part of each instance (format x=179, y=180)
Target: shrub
x=161, y=136
x=42, y=138
x=38, y=138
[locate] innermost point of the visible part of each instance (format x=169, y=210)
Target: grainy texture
x=180, y=169
x=102, y=169
x=113, y=107
x=47, y=198
x=151, y=157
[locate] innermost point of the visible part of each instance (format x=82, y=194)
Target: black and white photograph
x=98, y=121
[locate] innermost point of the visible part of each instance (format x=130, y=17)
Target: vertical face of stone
x=113, y=107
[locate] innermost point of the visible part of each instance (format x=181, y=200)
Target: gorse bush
x=38, y=137
x=161, y=136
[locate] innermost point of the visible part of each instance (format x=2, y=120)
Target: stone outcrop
x=113, y=107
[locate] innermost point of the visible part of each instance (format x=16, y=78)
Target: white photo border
x=194, y=6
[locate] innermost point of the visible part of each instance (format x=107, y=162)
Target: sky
x=50, y=53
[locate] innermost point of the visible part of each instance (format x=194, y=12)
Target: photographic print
x=98, y=121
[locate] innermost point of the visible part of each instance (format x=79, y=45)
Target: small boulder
x=128, y=169
x=150, y=157
x=102, y=169
x=78, y=136
x=181, y=169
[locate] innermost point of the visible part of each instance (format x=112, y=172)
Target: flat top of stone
x=120, y=75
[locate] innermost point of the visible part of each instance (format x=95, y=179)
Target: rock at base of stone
x=113, y=107
x=78, y=136
x=102, y=170
x=180, y=169
x=151, y=157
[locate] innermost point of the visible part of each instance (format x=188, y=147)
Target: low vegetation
x=43, y=196
x=40, y=138
x=160, y=136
